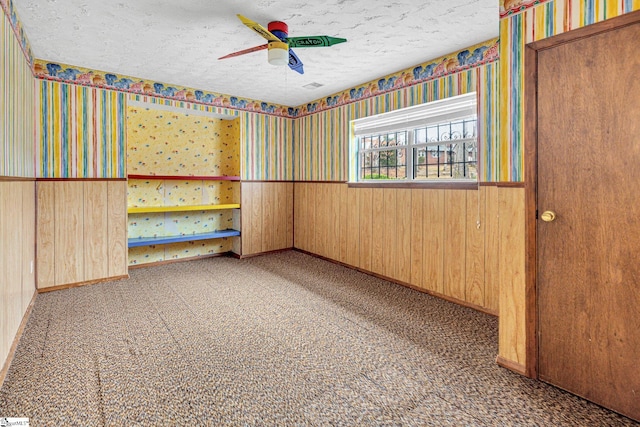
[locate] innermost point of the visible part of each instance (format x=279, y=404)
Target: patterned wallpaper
x=80, y=132
x=536, y=23
x=81, y=128
x=160, y=192
x=267, y=147
x=266, y=141
x=17, y=94
x=164, y=142
x=10, y=12
x=322, y=150
x=172, y=141
x=488, y=89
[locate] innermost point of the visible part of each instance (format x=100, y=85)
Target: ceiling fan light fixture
x=278, y=53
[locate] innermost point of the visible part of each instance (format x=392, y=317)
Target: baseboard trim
x=16, y=339
x=261, y=253
x=511, y=365
x=78, y=284
x=172, y=261
x=407, y=285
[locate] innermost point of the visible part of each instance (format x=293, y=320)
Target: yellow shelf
x=155, y=209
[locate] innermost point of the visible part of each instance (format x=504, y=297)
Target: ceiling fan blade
x=258, y=29
x=245, y=51
x=294, y=62
x=314, y=41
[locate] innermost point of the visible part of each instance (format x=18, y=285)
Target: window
x=433, y=141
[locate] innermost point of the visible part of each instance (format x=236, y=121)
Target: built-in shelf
x=155, y=209
x=186, y=177
x=163, y=240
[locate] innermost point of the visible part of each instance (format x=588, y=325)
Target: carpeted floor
x=283, y=339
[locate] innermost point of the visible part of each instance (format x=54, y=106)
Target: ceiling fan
x=279, y=43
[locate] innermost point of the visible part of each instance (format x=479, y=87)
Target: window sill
x=440, y=185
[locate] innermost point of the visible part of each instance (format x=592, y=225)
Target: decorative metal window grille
x=452, y=150
x=435, y=141
x=384, y=156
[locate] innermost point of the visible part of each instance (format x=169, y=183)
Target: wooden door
x=588, y=173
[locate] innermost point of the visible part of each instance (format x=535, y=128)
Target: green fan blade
x=314, y=41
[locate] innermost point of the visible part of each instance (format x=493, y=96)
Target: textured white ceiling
x=178, y=42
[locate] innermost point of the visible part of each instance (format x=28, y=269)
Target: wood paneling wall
x=68, y=241
x=454, y=243
x=266, y=216
x=511, y=276
x=81, y=231
x=117, y=249
x=17, y=257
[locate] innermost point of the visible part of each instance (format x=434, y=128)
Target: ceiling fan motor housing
x=278, y=51
x=278, y=29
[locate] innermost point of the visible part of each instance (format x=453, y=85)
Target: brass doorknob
x=548, y=216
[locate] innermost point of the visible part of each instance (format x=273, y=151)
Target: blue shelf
x=163, y=240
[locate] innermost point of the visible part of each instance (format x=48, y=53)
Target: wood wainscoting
x=17, y=258
x=510, y=257
x=463, y=245
x=81, y=231
x=266, y=217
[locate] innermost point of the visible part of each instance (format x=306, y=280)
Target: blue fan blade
x=294, y=62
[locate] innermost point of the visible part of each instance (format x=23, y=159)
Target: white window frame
x=411, y=119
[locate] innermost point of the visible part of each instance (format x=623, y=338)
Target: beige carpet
x=283, y=339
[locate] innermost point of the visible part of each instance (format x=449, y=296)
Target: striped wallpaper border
x=453, y=63
x=184, y=107
x=468, y=58
x=512, y=7
x=72, y=74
